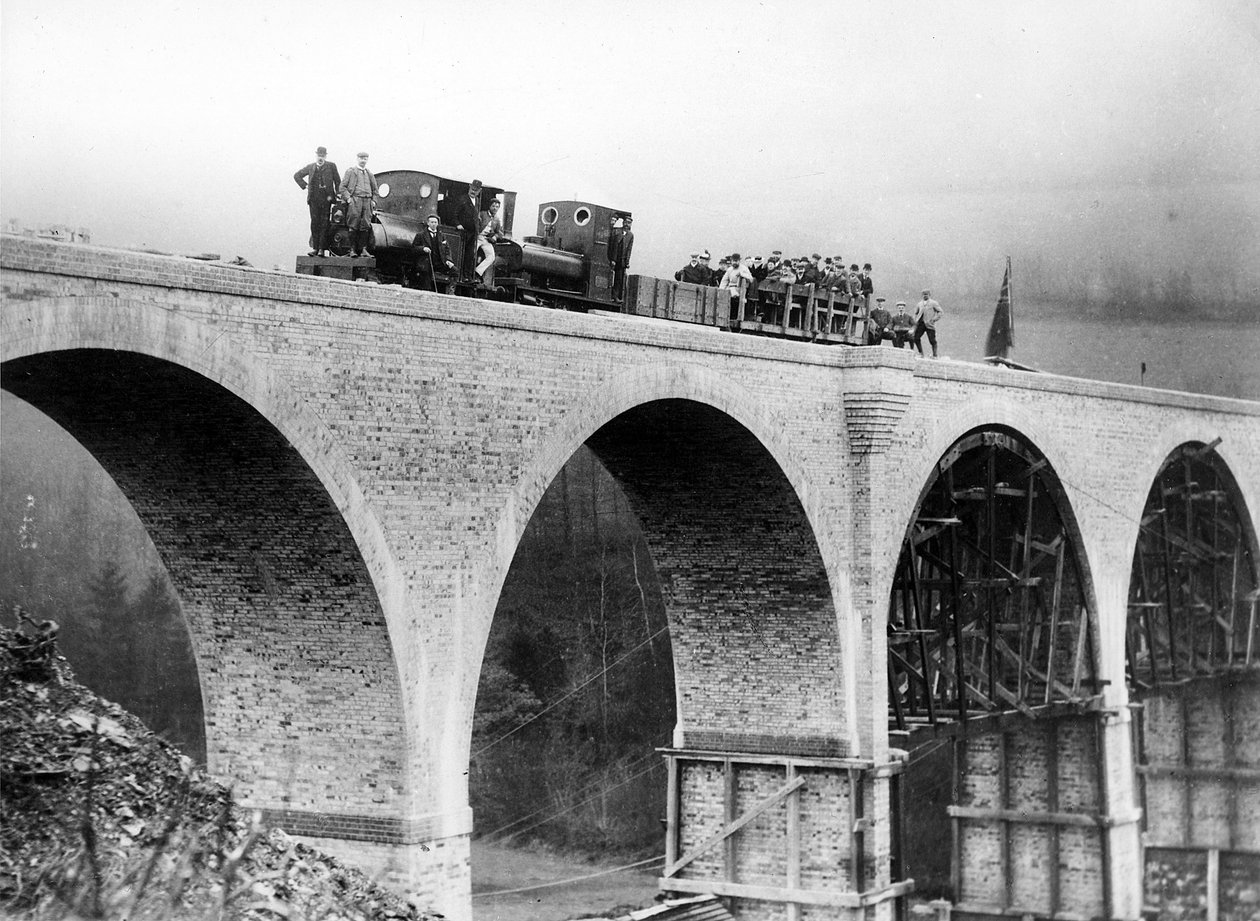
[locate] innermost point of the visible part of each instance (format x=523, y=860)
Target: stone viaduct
x=337, y=475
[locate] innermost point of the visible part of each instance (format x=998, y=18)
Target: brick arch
x=291, y=767
x=989, y=412
x=1168, y=440
x=1076, y=493
x=733, y=408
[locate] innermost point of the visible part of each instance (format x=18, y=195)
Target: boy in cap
x=358, y=188
x=322, y=182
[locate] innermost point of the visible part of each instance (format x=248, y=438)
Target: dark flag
x=1001, y=339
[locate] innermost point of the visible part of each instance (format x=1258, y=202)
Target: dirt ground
x=496, y=868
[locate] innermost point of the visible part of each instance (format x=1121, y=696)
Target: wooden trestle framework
x=988, y=613
x=1192, y=595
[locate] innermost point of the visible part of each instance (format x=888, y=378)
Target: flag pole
x=1010, y=350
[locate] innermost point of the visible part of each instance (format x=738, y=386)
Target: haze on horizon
x=928, y=139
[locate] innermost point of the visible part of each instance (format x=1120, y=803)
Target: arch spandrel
x=714, y=392
x=149, y=331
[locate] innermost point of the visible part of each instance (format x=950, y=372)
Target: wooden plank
x=730, y=829
x=1029, y=817
x=830, y=898
x=1004, y=827
x=990, y=908
x=1213, y=885
x=1186, y=772
x=1052, y=800
x=672, y=811
x=955, y=855
x=692, y=754
x=728, y=816
x=1081, y=623
x=855, y=836
x=793, y=844
x=1054, y=617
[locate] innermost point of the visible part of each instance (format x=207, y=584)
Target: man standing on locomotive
x=467, y=210
x=321, y=182
x=619, y=247
x=358, y=188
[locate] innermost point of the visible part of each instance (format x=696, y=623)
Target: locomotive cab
x=404, y=201
x=570, y=251
x=406, y=198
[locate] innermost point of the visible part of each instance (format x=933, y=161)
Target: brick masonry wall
x=1214, y=725
x=434, y=424
x=1045, y=767
x=758, y=853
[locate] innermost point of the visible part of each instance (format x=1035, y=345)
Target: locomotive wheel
x=340, y=242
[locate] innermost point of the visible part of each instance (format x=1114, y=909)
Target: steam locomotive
x=565, y=265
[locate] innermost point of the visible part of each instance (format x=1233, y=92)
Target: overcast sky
x=918, y=136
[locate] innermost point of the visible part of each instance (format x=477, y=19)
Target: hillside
x=100, y=818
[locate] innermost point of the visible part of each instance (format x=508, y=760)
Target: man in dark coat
x=322, y=182
x=432, y=254
x=693, y=272
x=467, y=210
x=619, y=248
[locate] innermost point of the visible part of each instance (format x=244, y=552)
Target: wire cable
x=573, y=879
x=589, y=799
x=558, y=701
x=582, y=791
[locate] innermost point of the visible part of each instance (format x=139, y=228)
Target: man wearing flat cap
x=321, y=182
x=467, y=212
x=358, y=188
x=902, y=326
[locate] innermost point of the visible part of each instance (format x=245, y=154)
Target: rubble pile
x=100, y=818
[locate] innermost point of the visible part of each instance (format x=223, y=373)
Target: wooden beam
x=672, y=810
x=1213, y=885
x=1029, y=817
x=830, y=898
x=1052, y=800
x=732, y=827
x=793, y=844
x=1186, y=772
x=728, y=816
